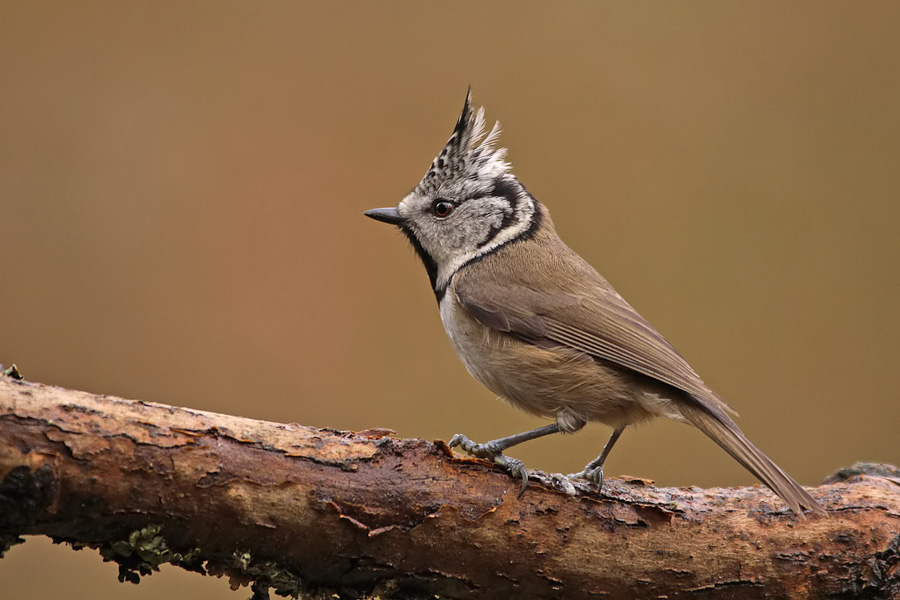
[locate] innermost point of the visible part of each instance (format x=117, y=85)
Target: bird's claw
x=591, y=475
x=514, y=466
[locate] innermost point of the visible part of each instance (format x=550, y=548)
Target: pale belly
x=559, y=383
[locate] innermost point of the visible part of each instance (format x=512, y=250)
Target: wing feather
x=606, y=328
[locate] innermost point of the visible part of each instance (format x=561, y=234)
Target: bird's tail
x=713, y=421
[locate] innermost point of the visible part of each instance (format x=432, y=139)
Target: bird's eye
x=442, y=208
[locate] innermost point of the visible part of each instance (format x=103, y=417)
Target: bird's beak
x=385, y=215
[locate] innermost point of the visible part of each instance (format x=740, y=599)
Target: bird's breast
x=478, y=346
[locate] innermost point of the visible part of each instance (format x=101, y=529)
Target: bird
x=537, y=325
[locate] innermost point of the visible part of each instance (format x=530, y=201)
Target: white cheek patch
x=476, y=220
x=453, y=258
x=478, y=226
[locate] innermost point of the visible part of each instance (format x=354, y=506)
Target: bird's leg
x=493, y=450
x=593, y=472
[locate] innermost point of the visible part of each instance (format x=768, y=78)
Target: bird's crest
x=469, y=153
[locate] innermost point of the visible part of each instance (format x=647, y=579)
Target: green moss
x=144, y=551
x=267, y=575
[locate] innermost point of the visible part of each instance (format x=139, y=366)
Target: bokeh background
x=181, y=189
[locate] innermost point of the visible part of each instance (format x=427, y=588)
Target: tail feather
x=713, y=421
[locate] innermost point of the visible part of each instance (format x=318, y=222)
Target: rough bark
x=316, y=511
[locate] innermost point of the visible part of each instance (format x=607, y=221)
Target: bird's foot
x=489, y=451
x=592, y=475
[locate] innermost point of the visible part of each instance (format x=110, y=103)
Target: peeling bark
x=304, y=510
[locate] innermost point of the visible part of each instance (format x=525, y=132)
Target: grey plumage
x=537, y=325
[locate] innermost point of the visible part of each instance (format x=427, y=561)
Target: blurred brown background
x=181, y=189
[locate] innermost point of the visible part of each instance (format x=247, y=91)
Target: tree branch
x=304, y=510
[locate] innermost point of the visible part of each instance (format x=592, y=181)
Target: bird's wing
x=601, y=325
